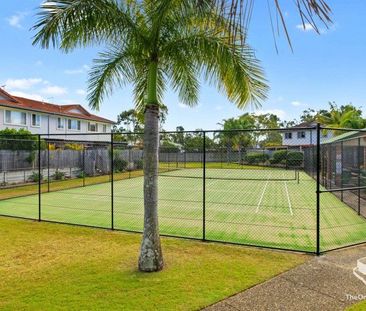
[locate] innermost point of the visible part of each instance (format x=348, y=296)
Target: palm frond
x=112, y=68
x=240, y=12
x=233, y=70
x=183, y=73
x=67, y=24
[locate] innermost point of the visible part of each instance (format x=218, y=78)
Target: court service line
x=288, y=199
x=261, y=198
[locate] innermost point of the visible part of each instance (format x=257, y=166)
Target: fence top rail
x=161, y=133
x=345, y=129
x=186, y=132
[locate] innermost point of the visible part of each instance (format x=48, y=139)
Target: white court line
x=261, y=198
x=288, y=199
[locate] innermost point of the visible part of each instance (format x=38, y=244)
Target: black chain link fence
x=300, y=189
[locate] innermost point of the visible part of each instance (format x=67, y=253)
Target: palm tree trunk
x=151, y=257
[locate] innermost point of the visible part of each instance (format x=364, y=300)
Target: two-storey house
x=304, y=134
x=54, y=122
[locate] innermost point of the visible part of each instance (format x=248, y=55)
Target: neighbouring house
x=304, y=134
x=54, y=122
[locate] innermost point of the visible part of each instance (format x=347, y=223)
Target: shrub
x=22, y=139
x=74, y=146
x=256, y=157
x=119, y=165
x=295, y=158
x=279, y=156
x=81, y=174
x=31, y=157
x=58, y=175
x=35, y=177
x=139, y=164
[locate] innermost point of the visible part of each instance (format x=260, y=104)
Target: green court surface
x=259, y=207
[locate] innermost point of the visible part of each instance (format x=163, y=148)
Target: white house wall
x=310, y=137
x=49, y=126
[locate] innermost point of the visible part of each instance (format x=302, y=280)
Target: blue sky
x=329, y=67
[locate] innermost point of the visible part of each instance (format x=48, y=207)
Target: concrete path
x=324, y=283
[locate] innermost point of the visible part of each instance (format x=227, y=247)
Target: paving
x=327, y=282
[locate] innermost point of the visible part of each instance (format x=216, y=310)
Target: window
x=73, y=125
x=288, y=135
x=301, y=134
x=104, y=128
x=15, y=117
x=60, y=123
x=92, y=127
x=36, y=120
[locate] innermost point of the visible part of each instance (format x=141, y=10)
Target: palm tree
x=148, y=44
x=346, y=116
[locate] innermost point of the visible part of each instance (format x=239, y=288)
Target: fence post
x=129, y=162
x=83, y=165
x=204, y=189
x=342, y=166
x=112, y=183
x=48, y=167
x=39, y=179
x=318, y=189
x=359, y=176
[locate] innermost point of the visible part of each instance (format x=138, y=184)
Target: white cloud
x=296, y=103
x=81, y=92
x=305, y=27
x=34, y=96
x=54, y=90
x=73, y=71
x=278, y=112
x=183, y=106
x=22, y=84
x=38, y=63
x=77, y=71
x=218, y=108
x=16, y=19
x=279, y=99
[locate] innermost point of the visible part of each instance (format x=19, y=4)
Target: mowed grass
x=57, y=267
x=360, y=306
x=270, y=208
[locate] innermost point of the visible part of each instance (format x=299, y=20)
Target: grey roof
x=341, y=137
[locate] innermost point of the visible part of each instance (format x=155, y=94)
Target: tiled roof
x=62, y=110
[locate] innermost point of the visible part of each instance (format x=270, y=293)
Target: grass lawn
x=361, y=306
x=57, y=267
x=277, y=213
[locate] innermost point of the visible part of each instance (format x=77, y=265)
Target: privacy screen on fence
x=299, y=189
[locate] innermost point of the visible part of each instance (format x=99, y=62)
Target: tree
x=150, y=43
x=345, y=116
x=231, y=138
x=268, y=138
x=132, y=121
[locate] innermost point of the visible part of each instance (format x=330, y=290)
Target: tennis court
x=274, y=208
